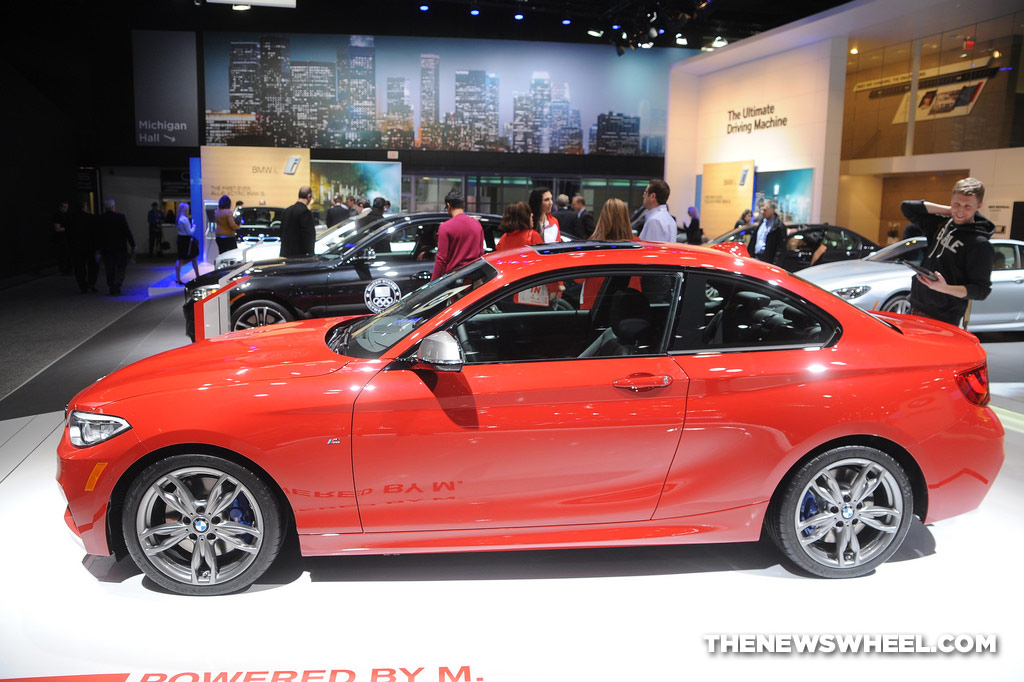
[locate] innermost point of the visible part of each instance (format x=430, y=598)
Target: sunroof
x=572, y=247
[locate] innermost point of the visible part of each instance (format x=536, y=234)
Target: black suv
x=368, y=270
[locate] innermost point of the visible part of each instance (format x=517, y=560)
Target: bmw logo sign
x=201, y=525
x=847, y=512
x=381, y=293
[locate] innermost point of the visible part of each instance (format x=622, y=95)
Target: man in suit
x=768, y=242
x=336, y=213
x=566, y=217
x=298, y=233
x=117, y=244
x=584, y=219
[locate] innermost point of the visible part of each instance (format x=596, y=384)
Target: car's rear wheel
x=900, y=303
x=259, y=314
x=201, y=525
x=843, y=512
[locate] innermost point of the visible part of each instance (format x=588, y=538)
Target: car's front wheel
x=900, y=303
x=843, y=512
x=259, y=314
x=201, y=525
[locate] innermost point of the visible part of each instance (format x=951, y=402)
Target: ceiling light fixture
x=518, y=17
x=719, y=42
x=854, y=51
x=566, y=22
x=680, y=39
x=424, y=8
x=595, y=33
x=241, y=8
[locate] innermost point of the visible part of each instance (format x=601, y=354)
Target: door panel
x=517, y=444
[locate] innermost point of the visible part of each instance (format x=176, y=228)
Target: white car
x=267, y=249
x=882, y=282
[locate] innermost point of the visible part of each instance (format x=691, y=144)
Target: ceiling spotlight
x=595, y=33
x=719, y=42
x=854, y=51
x=241, y=8
x=616, y=27
x=647, y=46
x=518, y=17
x=424, y=8
x=474, y=12
x=997, y=54
x=680, y=39
x=566, y=22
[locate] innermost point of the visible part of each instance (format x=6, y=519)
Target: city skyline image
x=367, y=92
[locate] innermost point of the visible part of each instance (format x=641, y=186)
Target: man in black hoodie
x=959, y=253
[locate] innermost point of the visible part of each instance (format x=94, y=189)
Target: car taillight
x=974, y=384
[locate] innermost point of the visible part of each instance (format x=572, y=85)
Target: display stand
x=213, y=313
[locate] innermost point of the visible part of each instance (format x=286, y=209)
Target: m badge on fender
x=381, y=293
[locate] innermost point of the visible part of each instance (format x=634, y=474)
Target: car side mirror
x=439, y=351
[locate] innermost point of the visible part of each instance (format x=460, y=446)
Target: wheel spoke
x=171, y=528
x=181, y=500
x=819, y=532
x=172, y=540
x=232, y=533
x=854, y=545
x=816, y=520
x=219, y=498
x=833, y=497
x=204, y=555
x=869, y=516
x=863, y=486
x=842, y=542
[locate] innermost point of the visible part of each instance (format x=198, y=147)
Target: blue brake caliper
x=241, y=512
x=808, y=508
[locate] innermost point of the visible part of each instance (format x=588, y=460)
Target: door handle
x=642, y=382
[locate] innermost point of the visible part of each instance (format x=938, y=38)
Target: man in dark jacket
x=117, y=243
x=298, y=233
x=768, y=242
x=959, y=253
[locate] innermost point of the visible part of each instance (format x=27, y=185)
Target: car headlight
x=199, y=293
x=87, y=428
x=850, y=293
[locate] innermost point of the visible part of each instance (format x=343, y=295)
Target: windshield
x=908, y=250
x=354, y=234
x=370, y=337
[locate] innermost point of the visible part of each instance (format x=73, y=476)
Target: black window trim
x=701, y=275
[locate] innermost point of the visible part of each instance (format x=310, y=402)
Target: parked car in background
x=882, y=282
x=840, y=244
x=259, y=223
x=269, y=249
x=690, y=397
x=368, y=269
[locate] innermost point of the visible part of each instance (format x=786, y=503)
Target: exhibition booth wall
x=795, y=98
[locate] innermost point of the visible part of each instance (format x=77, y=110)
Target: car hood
x=265, y=268
x=281, y=351
x=853, y=273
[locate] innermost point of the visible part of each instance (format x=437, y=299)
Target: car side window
x=407, y=243
x=722, y=312
x=594, y=316
x=1005, y=257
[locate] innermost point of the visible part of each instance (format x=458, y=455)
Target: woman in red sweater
x=517, y=225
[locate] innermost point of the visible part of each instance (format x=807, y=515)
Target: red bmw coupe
x=577, y=395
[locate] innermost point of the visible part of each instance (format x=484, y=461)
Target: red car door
x=528, y=433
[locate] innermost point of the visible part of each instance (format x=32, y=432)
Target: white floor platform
x=630, y=615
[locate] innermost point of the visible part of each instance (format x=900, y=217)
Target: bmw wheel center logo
x=201, y=525
x=381, y=293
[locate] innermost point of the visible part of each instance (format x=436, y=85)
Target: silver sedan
x=882, y=282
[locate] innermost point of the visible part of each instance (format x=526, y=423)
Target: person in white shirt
x=659, y=225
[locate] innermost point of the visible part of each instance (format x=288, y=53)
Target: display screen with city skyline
x=366, y=92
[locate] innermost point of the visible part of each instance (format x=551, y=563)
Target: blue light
x=424, y=8
x=660, y=31
x=565, y=22
x=475, y=12
x=615, y=27
x=519, y=17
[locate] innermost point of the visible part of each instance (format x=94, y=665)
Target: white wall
x=805, y=87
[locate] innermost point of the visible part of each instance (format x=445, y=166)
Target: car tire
x=842, y=513
x=900, y=303
x=258, y=314
x=201, y=525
